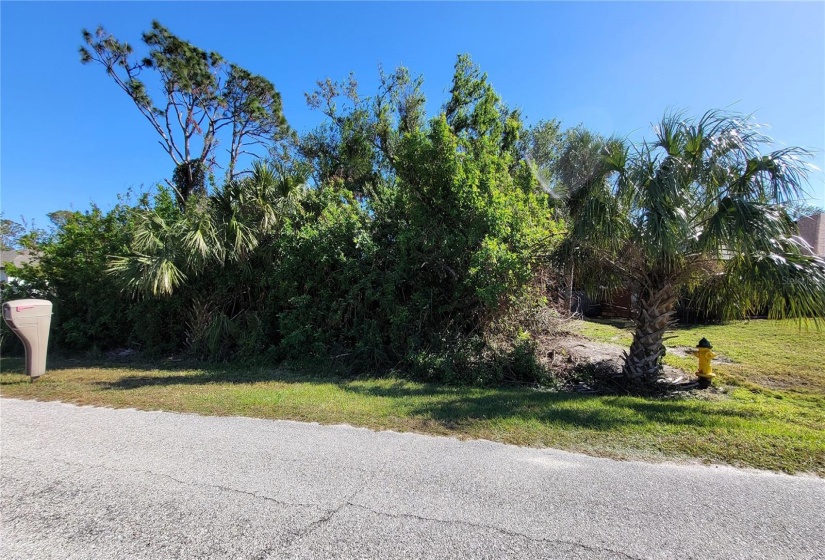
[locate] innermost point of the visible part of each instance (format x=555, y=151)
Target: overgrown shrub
x=92, y=313
x=413, y=265
x=88, y=308
x=413, y=249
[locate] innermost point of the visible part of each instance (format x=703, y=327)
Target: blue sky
x=69, y=137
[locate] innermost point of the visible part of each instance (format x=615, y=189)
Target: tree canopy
x=199, y=99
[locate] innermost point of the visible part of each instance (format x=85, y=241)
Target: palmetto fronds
x=227, y=226
x=153, y=265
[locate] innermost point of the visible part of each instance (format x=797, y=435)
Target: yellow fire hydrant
x=705, y=372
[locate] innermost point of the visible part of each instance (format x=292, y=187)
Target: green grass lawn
x=764, y=354
x=770, y=413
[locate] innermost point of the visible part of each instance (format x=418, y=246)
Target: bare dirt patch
x=584, y=365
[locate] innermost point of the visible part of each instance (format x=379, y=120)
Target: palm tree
x=168, y=247
x=699, y=201
x=579, y=163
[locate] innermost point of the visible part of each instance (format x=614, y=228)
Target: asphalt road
x=84, y=482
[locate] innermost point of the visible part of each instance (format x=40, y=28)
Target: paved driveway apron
x=84, y=482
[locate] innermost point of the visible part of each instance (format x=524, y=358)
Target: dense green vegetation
x=396, y=243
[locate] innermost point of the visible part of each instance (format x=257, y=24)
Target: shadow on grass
x=17, y=364
x=168, y=373
x=448, y=406
x=617, y=322
x=451, y=407
x=629, y=324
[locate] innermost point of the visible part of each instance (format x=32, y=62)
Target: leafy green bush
x=413, y=249
x=89, y=309
x=413, y=258
x=92, y=313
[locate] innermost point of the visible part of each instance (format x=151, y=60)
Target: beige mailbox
x=30, y=320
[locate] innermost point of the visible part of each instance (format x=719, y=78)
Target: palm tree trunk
x=656, y=308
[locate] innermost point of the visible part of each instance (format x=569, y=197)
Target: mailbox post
x=30, y=320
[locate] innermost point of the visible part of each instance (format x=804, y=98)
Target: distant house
x=17, y=258
x=812, y=230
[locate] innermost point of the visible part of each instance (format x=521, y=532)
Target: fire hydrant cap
x=704, y=343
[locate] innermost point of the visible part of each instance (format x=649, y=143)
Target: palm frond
x=148, y=274
x=198, y=239
x=784, y=283
x=742, y=227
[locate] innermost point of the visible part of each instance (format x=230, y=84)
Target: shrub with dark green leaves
x=410, y=250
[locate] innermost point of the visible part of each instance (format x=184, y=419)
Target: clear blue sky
x=70, y=137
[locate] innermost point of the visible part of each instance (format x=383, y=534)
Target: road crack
x=491, y=527
x=89, y=466
x=347, y=501
x=330, y=514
